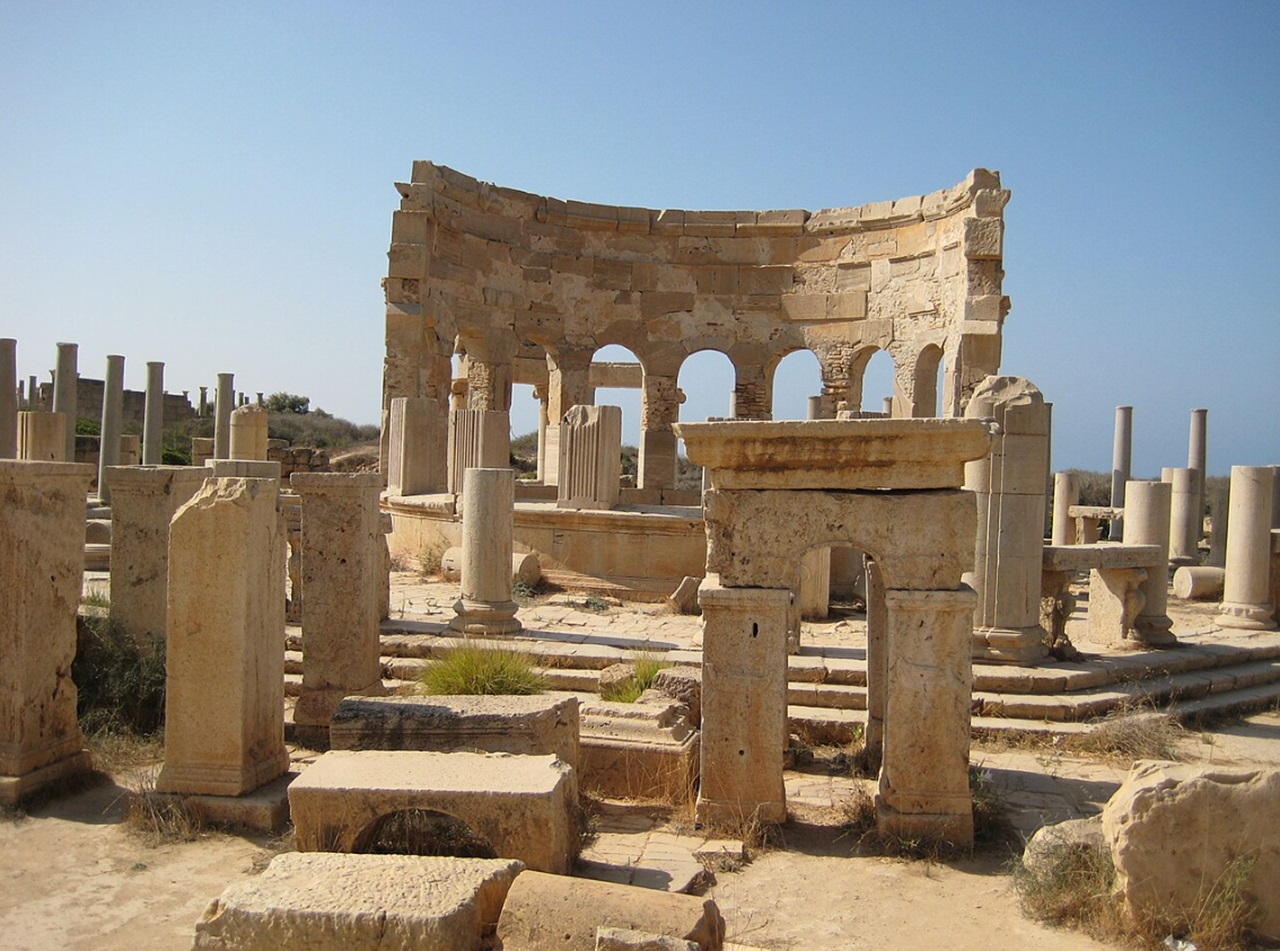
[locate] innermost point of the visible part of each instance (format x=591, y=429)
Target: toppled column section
x=343, y=574
x=485, y=606
x=418, y=447
x=41, y=568
x=224, y=708
x=1246, y=596
x=590, y=458
x=478, y=439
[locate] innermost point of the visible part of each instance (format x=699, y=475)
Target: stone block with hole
x=522, y=807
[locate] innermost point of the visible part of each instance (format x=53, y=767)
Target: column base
x=1026, y=646
x=953, y=828
x=316, y=704
x=1246, y=617
x=1155, y=630
x=16, y=789
x=265, y=809
x=735, y=815
x=485, y=617
x=219, y=780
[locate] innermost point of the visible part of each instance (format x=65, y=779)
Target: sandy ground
x=75, y=878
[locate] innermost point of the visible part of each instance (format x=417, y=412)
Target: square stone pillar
x=143, y=502
x=924, y=774
x=224, y=708
x=815, y=584
x=744, y=703
x=590, y=458
x=41, y=571
x=344, y=575
x=877, y=665
x=417, y=450
x=478, y=439
x=42, y=437
x=657, y=459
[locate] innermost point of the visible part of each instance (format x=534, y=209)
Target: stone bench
x=1116, y=574
x=524, y=807
x=326, y=900
x=1086, y=519
x=535, y=725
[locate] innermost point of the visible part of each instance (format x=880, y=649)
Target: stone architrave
x=1066, y=493
x=8, y=398
x=485, y=605
x=42, y=436
x=478, y=439
x=1121, y=462
x=343, y=574
x=153, y=417
x=65, y=385
x=222, y=410
x=744, y=703
x=42, y=559
x=1146, y=516
x=224, y=708
x=249, y=433
x=590, y=458
x=1184, y=533
x=144, y=501
x=418, y=447
x=112, y=423
x=1009, y=487
x=1246, y=595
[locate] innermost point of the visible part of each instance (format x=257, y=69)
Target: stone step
x=838, y=696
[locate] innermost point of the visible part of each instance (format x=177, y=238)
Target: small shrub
x=1070, y=885
x=119, y=681
x=471, y=669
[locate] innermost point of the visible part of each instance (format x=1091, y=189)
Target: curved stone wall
x=529, y=287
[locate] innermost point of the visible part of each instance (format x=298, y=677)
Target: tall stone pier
x=41, y=571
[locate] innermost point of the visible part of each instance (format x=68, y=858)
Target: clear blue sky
x=211, y=185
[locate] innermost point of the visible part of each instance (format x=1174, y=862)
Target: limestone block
x=590, y=459
x=643, y=750
x=249, y=433
x=626, y=939
x=329, y=902
x=344, y=576
x=1115, y=600
x=1173, y=829
x=42, y=437
x=224, y=705
x=554, y=913
x=535, y=725
x=417, y=448
x=685, y=598
x=815, y=584
x=1100, y=555
x=685, y=685
x=478, y=439
x=143, y=502
x=525, y=807
x=1074, y=835
x=41, y=564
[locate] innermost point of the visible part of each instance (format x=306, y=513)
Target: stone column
x=1066, y=493
x=485, y=606
x=130, y=450
x=1146, y=516
x=144, y=500
x=1246, y=595
x=153, y=418
x=1183, y=535
x=1197, y=459
x=1121, y=461
x=203, y=410
x=33, y=393
x=249, y=433
x=8, y=398
x=42, y=560
x=1219, y=502
x=224, y=707
x=343, y=575
x=886, y=407
x=478, y=439
x=417, y=449
x=590, y=458
x=924, y=773
x=543, y=420
x=222, y=416
x=814, y=408
x=744, y=703
x=112, y=425
x=42, y=436
x=64, y=394
x=1009, y=487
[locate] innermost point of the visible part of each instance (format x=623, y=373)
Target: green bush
x=471, y=669
x=119, y=682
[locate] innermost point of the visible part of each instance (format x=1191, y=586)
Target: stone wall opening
x=796, y=378
x=423, y=832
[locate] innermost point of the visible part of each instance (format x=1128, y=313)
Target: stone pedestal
x=1146, y=517
x=815, y=584
x=153, y=419
x=590, y=458
x=41, y=567
x=744, y=704
x=1185, y=518
x=130, y=450
x=222, y=409
x=924, y=775
x=1121, y=461
x=343, y=574
x=1066, y=493
x=249, y=433
x=224, y=709
x=478, y=439
x=65, y=385
x=1009, y=487
x=417, y=447
x=485, y=606
x=1115, y=600
x=112, y=423
x=8, y=398
x=42, y=437
x=144, y=500
x=1246, y=595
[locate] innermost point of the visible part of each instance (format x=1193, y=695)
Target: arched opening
x=877, y=382
x=422, y=832
x=797, y=377
x=617, y=379
x=927, y=385
x=706, y=379
x=525, y=413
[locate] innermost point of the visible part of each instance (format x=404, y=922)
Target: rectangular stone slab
x=525, y=807
x=1102, y=555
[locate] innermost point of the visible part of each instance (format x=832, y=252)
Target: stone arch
x=422, y=832
x=925, y=395
x=795, y=375
x=614, y=382
x=858, y=377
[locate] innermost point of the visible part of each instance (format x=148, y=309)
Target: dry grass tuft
x=1131, y=732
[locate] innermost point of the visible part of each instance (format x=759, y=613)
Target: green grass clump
x=471, y=669
x=119, y=680
x=645, y=667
